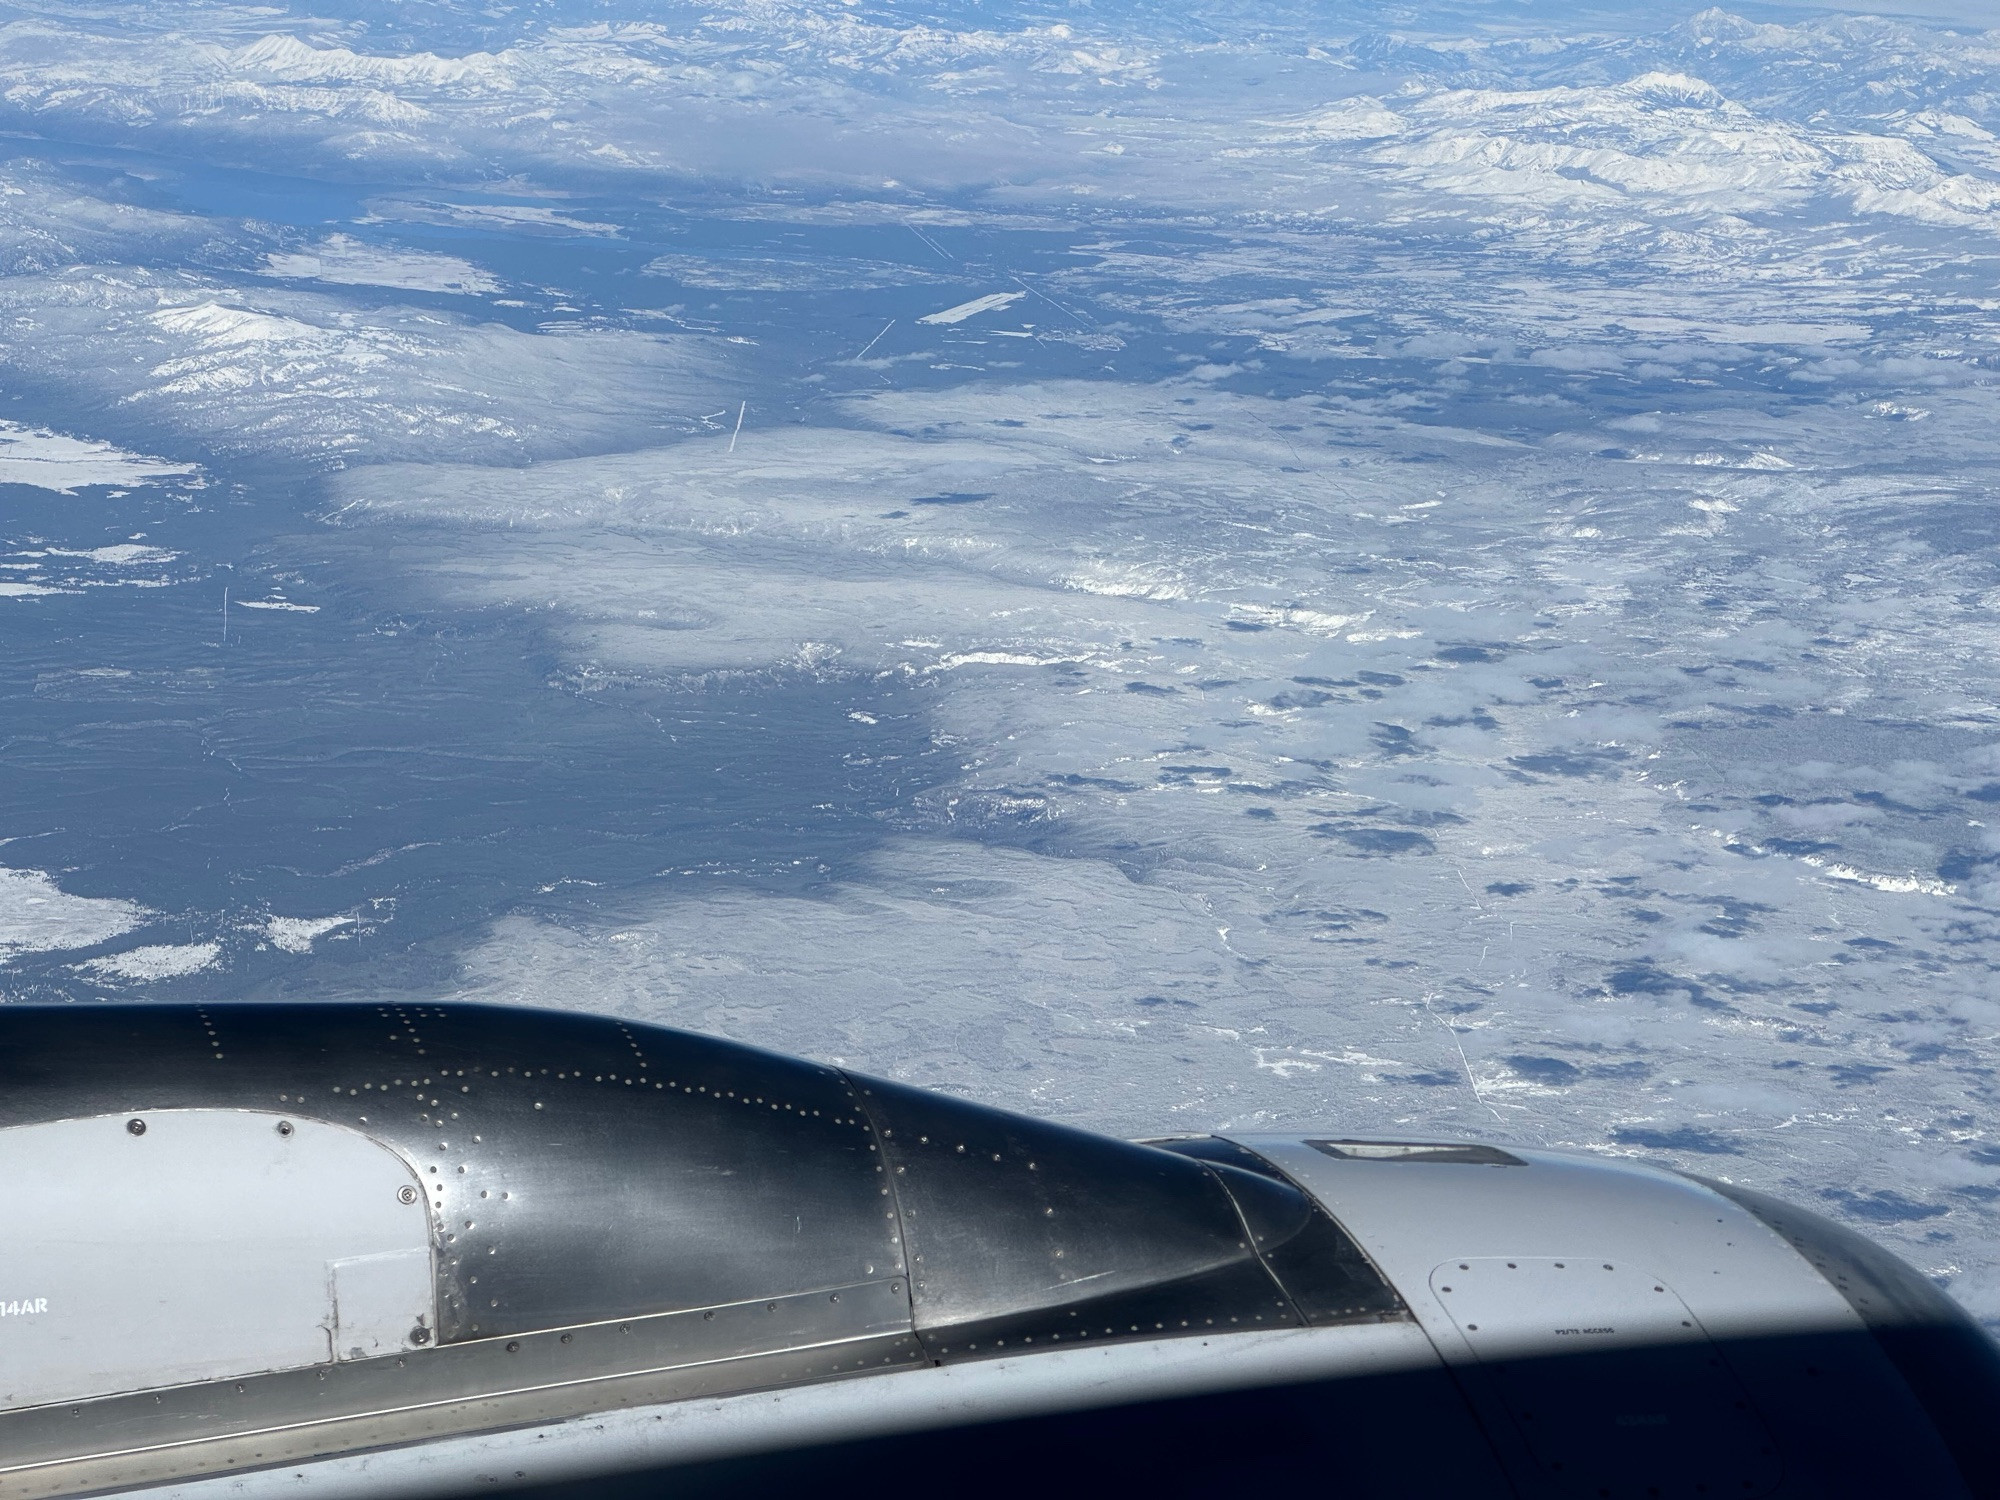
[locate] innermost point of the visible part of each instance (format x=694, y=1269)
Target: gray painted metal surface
x=382, y=1301
x=147, y=1438
x=909, y=1401
x=1534, y=1322
x=186, y=1245
x=1411, y=1214
x=1551, y=1260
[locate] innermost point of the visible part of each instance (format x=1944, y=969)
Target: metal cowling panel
x=575, y=1169
x=1949, y=1363
x=1317, y=1263
x=1023, y=1231
x=1327, y=1275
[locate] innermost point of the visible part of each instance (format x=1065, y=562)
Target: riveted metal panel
x=1949, y=1363
x=381, y=1302
x=1318, y=1264
x=575, y=1168
x=470, y=1387
x=1308, y=1392
x=1020, y=1230
x=1738, y=1278
x=1320, y=1267
x=1845, y=1423
x=163, y=1246
x=1609, y=1377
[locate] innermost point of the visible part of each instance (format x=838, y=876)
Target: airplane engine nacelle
x=421, y=1250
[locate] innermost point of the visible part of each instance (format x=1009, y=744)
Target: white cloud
x=54, y=461
x=38, y=916
x=298, y=934
x=154, y=962
x=344, y=260
x=277, y=371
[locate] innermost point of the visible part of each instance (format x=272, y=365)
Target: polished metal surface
x=150, y=1437
x=577, y=1204
x=1005, y=1213
x=1322, y=1270
x=529, y=1132
x=898, y=1406
x=1026, y=1234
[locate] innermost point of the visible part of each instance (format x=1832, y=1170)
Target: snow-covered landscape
x=1412, y=569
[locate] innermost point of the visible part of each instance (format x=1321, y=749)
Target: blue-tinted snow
x=1386, y=567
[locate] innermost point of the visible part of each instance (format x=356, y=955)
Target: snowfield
x=1203, y=566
